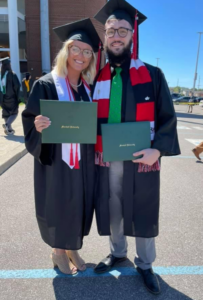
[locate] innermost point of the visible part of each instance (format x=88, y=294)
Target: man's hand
x=41, y=123
x=150, y=156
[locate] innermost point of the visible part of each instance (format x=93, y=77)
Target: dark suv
x=182, y=99
x=175, y=95
x=199, y=99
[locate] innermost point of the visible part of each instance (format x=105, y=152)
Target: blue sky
x=170, y=33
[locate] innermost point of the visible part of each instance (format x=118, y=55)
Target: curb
x=11, y=161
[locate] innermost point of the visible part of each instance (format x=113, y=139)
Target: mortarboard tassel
x=77, y=166
x=135, y=38
x=99, y=57
x=71, y=155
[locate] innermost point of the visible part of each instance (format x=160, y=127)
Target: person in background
x=190, y=104
x=198, y=150
x=27, y=84
x=43, y=74
x=9, y=89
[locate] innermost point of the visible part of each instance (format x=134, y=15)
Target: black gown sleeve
x=166, y=138
x=16, y=85
x=42, y=152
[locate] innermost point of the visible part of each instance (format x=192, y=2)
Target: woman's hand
x=41, y=123
x=150, y=156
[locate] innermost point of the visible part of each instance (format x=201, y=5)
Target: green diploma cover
x=71, y=122
x=121, y=140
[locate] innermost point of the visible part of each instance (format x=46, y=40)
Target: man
x=27, y=84
x=127, y=193
x=190, y=104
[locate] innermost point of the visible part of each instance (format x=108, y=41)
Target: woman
x=63, y=192
x=9, y=89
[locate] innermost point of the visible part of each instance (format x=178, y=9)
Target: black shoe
x=150, y=280
x=5, y=127
x=107, y=263
x=11, y=132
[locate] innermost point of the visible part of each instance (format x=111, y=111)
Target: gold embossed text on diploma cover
x=71, y=122
x=121, y=140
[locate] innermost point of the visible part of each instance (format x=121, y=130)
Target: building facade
x=13, y=34
x=26, y=34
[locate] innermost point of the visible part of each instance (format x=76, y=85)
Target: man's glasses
x=76, y=51
x=122, y=32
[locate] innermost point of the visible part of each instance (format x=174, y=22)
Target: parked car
x=175, y=95
x=194, y=99
x=199, y=99
x=182, y=99
x=201, y=103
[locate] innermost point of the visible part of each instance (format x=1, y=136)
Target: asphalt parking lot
x=26, y=271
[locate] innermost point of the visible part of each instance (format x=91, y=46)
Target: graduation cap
x=122, y=10
x=5, y=60
x=83, y=31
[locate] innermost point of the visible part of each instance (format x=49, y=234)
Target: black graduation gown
x=63, y=196
x=25, y=93
x=9, y=102
x=141, y=191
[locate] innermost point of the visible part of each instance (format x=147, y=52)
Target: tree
x=176, y=89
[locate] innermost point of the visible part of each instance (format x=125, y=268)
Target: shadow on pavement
x=106, y=288
x=15, y=138
x=187, y=115
x=126, y=263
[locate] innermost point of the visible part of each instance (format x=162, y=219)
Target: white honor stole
x=70, y=152
x=3, y=82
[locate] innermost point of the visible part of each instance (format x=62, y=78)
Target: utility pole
x=179, y=90
x=158, y=62
x=195, y=78
x=199, y=83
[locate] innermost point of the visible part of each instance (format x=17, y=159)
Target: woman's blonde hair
x=60, y=64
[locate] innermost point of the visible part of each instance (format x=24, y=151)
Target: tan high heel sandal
x=76, y=259
x=63, y=263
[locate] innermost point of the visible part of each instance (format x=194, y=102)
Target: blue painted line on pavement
x=123, y=271
x=190, y=133
x=182, y=156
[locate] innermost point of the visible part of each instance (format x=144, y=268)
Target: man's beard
x=118, y=58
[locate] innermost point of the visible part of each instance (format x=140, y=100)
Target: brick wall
x=60, y=12
x=32, y=17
